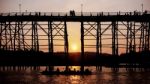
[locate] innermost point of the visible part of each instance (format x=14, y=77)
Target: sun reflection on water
x=72, y=68
x=75, y=79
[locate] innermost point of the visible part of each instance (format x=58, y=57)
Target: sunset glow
x=74, y=47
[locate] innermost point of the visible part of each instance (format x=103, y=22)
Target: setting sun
x=74, y=47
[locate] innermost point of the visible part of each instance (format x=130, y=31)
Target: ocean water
x=106, y=76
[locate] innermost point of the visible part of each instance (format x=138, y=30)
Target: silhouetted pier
x=24, y=35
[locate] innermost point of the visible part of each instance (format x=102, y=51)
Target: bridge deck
x=76, y=17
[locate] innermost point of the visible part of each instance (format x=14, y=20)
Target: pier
x=22, y=34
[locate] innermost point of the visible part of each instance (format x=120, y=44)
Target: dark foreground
x=105, y=77
x=32, y=58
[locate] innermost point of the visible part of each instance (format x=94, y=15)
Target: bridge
x=22, y=36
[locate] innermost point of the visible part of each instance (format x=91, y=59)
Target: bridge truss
x=119, y=32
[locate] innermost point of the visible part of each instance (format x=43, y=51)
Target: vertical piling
x=66, y=45
x=82, y=47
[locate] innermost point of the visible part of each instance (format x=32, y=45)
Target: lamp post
x=20, y=8
x=81, y=9
x=142, y=7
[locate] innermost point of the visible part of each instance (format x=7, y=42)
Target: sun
x=74, y=47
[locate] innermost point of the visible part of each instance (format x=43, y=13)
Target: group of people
x=72, y=13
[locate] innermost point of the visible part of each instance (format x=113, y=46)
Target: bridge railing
x=70, y=14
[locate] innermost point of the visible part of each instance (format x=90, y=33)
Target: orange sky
x=67, y=5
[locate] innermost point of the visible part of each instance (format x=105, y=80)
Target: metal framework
x=118, y=36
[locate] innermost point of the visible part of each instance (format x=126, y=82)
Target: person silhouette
x=72, y=13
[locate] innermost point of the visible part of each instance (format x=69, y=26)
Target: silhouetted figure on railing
x=145, y=12
x=72, y=13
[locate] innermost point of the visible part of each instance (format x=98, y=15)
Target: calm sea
x=107, y=76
